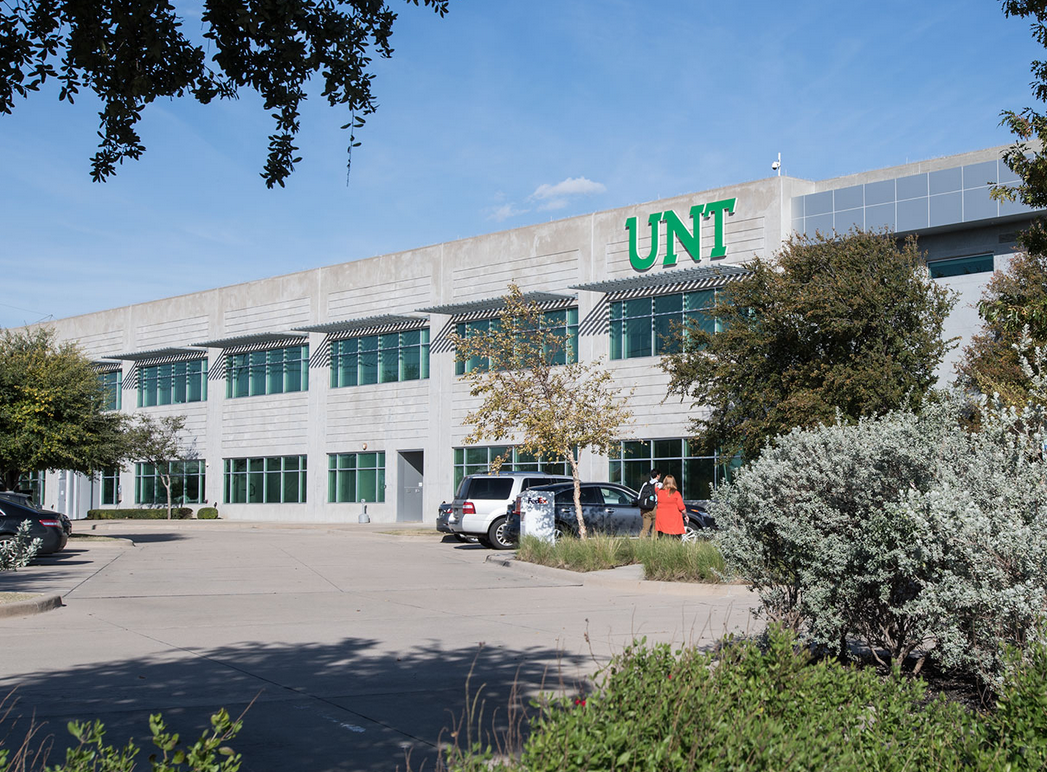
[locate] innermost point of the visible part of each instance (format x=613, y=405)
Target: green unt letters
x=675, y=229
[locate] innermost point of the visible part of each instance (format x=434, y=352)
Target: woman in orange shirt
x=668, y=518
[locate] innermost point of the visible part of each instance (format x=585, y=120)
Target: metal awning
x=495, y=304
x=363, y=322
x=156, y=353
x=252, y=339
x=105, y=367
x=702, y=274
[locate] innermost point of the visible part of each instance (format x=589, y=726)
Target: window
x=33, y=484
x=355, y=477
x=111, y=383
x=475, y=460
x=397, y=356
x=267, y=372
x=643, y=327
x=563, y=323
x=172, y=384
x=960, y=266
x=696, y=474
x=187, y=483
x=111, y=488
x=269, y=480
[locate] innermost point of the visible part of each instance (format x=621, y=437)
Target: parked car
x=442, y=517
x=44, y=525
x=481, y=505
x=606, y=508
x=26, y=500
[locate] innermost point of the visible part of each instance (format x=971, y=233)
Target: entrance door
x=409, y=498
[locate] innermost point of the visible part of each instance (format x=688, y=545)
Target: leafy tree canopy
x=1027, y=157
x=51, y=409
x=1015, y=299
x=550, y=409
x=131, y=52
x=843, y=323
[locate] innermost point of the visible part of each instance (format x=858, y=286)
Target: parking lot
x=353, y=642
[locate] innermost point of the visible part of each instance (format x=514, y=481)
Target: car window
x=10, y=509
x=588, y=496
x=534, y=482
x=615, y=497
x=489, y=488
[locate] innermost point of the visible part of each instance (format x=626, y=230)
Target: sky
x=503, y=114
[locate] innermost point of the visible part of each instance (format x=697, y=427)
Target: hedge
x=180, y=513
x=207, y=513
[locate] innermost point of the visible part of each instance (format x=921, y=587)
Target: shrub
x=667, y=560
x=906, y=532
x=744, y=708
x=207, y=513
x=672, y=560
x=180, y=513
x=16, y=552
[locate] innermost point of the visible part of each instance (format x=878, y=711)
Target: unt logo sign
x=691, y=241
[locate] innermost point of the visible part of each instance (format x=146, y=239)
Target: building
x=313, y=396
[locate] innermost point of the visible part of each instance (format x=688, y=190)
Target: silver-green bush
x=16, y=552
x=906, y=532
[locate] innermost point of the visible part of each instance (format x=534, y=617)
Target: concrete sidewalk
x=355, y=644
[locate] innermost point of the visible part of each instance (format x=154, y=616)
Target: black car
x=607, y=508
x=442, y=516
x=43, y=525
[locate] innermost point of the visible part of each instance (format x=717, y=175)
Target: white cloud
x=505, y=211
x=572, y=186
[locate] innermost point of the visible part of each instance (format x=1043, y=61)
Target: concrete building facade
x=311, y=396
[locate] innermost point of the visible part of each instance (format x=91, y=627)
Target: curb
x=24, y=608
x=623, y=578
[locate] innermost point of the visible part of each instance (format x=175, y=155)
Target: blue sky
x=505, y=113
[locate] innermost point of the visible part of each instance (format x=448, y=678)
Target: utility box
x=538, y=515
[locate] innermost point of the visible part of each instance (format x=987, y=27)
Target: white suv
x=481, y=505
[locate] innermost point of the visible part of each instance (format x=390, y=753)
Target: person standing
x=649, y=502
x=669, y=515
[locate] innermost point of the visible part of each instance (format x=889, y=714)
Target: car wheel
x=463, y=538
x=563, y=530
x=498, y=535
x=691, y=533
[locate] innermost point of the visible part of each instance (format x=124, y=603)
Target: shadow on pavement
x=346, y=706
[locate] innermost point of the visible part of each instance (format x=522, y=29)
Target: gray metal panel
x=849, y=198
x=823, y=223
x=978, y=205
x=879, y=192
x=911, y=187
x=946, y=209
x=977, y=175
x=912, y=214
x=880, y=217
x=157, y=353
x=945, y=181
x=845, y=221
x=818, y=203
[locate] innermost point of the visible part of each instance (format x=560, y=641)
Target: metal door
x=409, y=488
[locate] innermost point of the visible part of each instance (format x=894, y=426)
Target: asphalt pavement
x=355, y=647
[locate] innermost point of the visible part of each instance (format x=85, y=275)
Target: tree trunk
x=582, y=534
x=166, y=480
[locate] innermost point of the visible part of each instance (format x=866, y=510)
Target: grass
x=664, y=560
